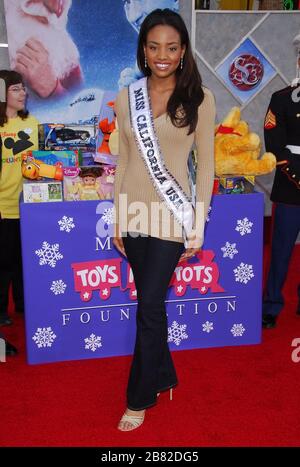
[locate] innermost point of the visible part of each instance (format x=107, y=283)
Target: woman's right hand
x=118, y=242
x=54, y=6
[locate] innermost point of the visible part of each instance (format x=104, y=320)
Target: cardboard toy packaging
x=231, y=185
x=90, y=158
x=34, y=169
x=59, y=136
x=42, y=192
x=88, y=183
x=63, y=158
x=102, y=158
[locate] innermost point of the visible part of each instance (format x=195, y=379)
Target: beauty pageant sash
x=167, y=187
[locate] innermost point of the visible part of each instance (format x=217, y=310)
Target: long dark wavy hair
x=10, y=77
x=188, y=94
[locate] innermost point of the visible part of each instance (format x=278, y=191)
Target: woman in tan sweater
x=160, y=118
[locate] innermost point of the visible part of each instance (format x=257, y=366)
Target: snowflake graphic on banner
x=243, y=273
x=58, y=287
x=207, y=326
x=237, y=330
x=229, y=250
x=44, y=337
x=108, y=216
x=243, y=226
x=49, y=254
x=176, y=333
x=66, y=224
x=93, y=342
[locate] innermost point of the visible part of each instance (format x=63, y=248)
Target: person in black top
x=282, y=138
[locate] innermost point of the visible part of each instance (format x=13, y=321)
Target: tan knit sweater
x=133, y=179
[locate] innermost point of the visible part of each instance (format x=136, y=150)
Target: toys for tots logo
x=203, y=275
x=97, y=275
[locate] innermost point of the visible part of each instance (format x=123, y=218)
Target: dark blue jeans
x=285, y=232
x=153, y=262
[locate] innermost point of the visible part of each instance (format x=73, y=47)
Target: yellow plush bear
x=237, y=150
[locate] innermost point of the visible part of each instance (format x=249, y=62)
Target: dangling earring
x=181, y=63
x=146, y=62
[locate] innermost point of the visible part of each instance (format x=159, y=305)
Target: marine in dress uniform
x=282, y=138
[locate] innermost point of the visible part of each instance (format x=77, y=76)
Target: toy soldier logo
x=245, y=72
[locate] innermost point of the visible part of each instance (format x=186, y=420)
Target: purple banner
x=80, y=296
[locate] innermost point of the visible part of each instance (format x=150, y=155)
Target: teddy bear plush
x=237, y=150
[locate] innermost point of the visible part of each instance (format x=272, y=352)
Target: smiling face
x=163, y=50
x=16, y=97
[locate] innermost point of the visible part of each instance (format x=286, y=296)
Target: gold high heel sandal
x=133, y=420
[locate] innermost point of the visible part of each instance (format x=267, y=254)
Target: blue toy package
x=88, y=158
x=65, y=158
